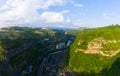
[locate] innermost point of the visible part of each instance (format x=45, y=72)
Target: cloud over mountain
x=26, y=12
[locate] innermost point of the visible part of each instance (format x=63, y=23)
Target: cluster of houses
x=63, y=45
x=60, y=45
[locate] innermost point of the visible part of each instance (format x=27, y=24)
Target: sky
x=59, y=13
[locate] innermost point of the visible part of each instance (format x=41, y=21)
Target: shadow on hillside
x=67, y=56
x=7, y=70
x=113, y=71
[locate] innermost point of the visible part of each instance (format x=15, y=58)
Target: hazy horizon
x=59, y=13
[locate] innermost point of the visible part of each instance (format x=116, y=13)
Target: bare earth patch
x=94, y=47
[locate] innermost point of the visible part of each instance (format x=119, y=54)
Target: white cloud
x=107, y=15
x=43, y=4
x=64, y=11
x=78, y=5
x=52, y=17
x=68, y=20
x=25, y=11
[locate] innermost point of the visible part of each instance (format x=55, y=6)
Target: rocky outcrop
x=95, y=46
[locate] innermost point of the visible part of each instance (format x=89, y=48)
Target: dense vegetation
x=14, y=37
x=75, y=32
x=33, y=44
x=95, y=64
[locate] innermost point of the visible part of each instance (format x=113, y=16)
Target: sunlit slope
x=96, y=52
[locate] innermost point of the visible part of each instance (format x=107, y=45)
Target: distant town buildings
x=63, y=44
x=69, y=43
x=60, y=46
x=46, y=39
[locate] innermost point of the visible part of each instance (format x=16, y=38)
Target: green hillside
x=22, y=47
x=96, y=52
x=75, y=32
x=14, y=37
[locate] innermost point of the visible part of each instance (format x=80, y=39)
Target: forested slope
x=96, y=52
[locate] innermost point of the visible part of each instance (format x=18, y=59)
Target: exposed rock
x=95, y=46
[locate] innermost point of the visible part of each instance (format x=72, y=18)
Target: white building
x=60, y=46
x=68, y=43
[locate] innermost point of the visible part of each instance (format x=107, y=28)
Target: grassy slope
x=76, y=32
x=92, y=65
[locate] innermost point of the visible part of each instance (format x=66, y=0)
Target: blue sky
x=59, y=13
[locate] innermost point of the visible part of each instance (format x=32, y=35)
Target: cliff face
x=95, y=46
